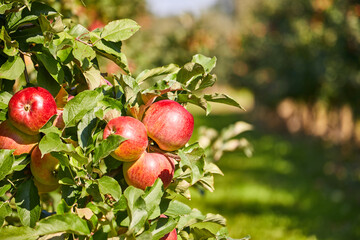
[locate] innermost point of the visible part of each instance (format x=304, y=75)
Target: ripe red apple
x=44, y=168
x=30, y=108
x=143, y=172
x=169, y=124
x=135, y=133
x=12, y=138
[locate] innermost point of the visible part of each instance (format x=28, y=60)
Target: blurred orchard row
x=299, y=59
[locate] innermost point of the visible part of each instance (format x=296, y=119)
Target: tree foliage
x=41, y=47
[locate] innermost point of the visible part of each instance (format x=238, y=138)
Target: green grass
x=294, y=187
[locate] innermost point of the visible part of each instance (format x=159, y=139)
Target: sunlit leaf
x=12, y=68
x=119, y=30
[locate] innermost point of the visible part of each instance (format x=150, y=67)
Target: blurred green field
x=294, y=187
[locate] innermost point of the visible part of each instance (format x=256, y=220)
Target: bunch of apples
x=166, y=125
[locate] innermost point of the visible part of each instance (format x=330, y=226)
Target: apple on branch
x=136, y=137
x=30, y=108
x=169, y=124
x=143, y=172
x=44, y=168
x=12, y=138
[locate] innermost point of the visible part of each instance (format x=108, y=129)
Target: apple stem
x=170, y=155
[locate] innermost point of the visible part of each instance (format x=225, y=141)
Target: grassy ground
x=293, y=188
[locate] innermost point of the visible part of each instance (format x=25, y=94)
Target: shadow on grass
x=306, y=187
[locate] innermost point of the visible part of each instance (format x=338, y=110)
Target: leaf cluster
x=38, y=46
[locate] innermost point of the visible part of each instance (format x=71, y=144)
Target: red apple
x=30, y=108
x=135, y=133
x=12, y=138
x=96, y=24
x=143, y=172
x=169, y=124
x=44, y=168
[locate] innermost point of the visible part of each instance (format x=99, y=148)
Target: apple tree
x=105, y=157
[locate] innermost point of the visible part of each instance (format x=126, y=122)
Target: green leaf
x=163, y=226
x=202, y=82
x=108, y=185
x=194, y=216
x=46, y=26
x=177, y=208
x=206, y=62
x=119, y=30
x=188, y=71
x=193, y=99
x=52, y=142
x=207, y=181
x=93, y=78
x=77, y=107
x=28, y=203
x=202, y=233
x=67, y=222
x=5, y=210
x=155, y=72
x=62, y=157
x=86, y=128
x=63, y=207
x=112, y=103
x=12, y=68
x=6, y=162
x=4, y=189
x=78, y=30
x=11, y=47
x=21, y=162
x=107, y=146
x=152, y=198
x=5, y=7
x=212, y=168
x=82, y=51
x=222, y=98
x=129, y=87
x=137, y=209
x=52, y=66
x=5, y=98
x=45, y=80
x=92, y=188
x=215, y=218
x=26, y=15
x=193, y=157
x=18, y=233
x=110, y=50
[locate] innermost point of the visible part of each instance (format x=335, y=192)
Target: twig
x=168, y=154
x=84, y=42
x=25, y=70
